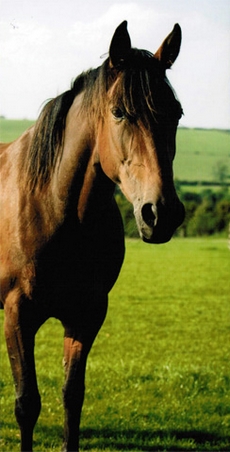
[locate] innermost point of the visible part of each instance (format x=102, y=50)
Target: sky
x=45, y=44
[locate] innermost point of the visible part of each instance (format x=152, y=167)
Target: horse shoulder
x=15, y=264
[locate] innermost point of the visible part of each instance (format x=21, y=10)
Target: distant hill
x=10, y=129
x=200, y=152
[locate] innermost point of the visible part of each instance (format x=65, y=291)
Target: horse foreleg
x=77, y=344
x=73, y=391
x=19, y=334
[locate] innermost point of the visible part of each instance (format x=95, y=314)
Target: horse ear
x=170, y=48
x=120, y=45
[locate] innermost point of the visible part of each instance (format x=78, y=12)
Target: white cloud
x=41, y=62
x=40, y=58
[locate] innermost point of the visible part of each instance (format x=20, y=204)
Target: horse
x=62, y=238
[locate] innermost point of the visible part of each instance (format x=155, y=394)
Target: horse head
x=139, y=128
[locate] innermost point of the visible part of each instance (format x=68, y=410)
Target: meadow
x=199, y=152
x=10, y=129
x=158, y=376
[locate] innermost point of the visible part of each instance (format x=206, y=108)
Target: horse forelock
x=138, y=85
x=144, y=91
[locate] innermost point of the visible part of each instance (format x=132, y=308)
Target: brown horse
x=62, y=239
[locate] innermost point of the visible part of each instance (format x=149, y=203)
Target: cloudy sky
x=47, y=43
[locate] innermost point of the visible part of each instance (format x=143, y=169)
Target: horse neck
x=79, y=180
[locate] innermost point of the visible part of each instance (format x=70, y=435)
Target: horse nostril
x=149, y=215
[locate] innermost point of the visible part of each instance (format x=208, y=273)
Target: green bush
x=204, y=221
x=207, y=214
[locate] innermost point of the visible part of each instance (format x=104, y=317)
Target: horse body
x=62, y=239
x=59, y=264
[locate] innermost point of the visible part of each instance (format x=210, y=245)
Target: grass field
x=198, y=151
x=158, y=376
x=10, y=129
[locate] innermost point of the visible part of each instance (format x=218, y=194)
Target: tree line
x=207, y=212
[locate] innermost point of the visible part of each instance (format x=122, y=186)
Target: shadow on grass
x=44, y=437
x=9, y=436
x=150, y=440
x=124, y=440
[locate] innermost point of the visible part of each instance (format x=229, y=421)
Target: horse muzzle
x=157, y=222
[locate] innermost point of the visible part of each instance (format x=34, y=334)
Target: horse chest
x=76, y=266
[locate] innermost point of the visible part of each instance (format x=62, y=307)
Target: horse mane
x=137, y=92
x=47, y=142
x=46, y=146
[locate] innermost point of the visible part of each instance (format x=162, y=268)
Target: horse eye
x=118, y=113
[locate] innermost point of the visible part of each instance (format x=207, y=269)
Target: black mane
x=48, y=135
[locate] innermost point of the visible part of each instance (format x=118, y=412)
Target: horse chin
x=157, y=238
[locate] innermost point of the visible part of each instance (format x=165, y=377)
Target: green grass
x=199, y=152
x=158, y=374
x=10, y=129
